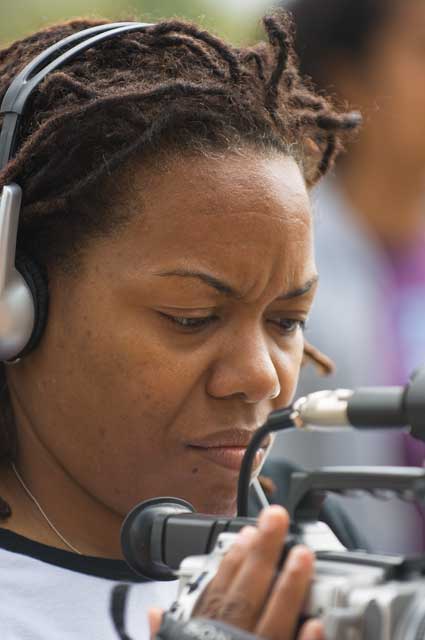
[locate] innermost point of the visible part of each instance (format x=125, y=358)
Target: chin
x=216, y=504
x=208, y=492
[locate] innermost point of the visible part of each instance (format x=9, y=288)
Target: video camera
x=360, y=595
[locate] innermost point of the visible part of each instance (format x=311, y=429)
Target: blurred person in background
x=369, y=314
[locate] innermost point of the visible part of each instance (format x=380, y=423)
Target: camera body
x=359, y=596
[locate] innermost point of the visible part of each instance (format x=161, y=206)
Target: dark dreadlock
x=171, y=87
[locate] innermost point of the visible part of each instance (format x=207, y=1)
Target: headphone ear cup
x=36, y=279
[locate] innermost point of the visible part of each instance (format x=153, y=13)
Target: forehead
x=231, y=186
x=243, y=209
x=264, y=183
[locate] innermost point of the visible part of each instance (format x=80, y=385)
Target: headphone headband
x=23, y=286
x=33, y=74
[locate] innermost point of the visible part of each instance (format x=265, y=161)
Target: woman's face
x=178, y=335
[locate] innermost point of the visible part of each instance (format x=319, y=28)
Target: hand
x=244, y=594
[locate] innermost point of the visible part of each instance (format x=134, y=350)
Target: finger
x=212, y=599
x=154, y=618
x=251, y=586
x=283, y=609
x=312, y=630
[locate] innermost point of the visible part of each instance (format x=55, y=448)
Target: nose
x=245, y=368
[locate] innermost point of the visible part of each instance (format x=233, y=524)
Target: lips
x=229, y=438
x=227, y=448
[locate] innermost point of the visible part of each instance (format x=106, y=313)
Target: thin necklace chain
x=39, y=507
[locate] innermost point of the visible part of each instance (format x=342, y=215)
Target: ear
x=324, y=365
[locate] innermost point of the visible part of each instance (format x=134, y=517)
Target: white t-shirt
x=50, y=594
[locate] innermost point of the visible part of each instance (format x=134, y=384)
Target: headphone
x=23, y=284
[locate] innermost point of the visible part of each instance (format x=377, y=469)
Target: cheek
x=124, y=425
x=139, y=388
x=288, y=366
x=117, y=393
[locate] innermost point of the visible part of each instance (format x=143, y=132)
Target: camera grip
x=308, y=489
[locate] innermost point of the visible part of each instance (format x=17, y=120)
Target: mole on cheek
x=195, y=470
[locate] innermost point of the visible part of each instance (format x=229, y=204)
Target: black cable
x=277, y=421
x=118, y=602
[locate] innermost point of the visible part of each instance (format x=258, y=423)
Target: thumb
x=154, y=618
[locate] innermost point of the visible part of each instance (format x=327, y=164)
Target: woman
x=165, y=183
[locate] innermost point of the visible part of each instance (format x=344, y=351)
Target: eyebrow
x=296, y=293
x=229, y=291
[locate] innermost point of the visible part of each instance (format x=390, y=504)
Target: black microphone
x=367, y=407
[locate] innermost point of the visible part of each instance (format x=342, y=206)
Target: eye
x=287, y=326
x=190, y=324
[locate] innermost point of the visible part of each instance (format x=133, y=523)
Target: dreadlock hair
x=172, y=88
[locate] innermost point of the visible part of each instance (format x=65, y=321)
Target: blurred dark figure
x=370, y=311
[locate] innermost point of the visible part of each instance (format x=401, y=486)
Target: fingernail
x=317, y=634
x=315, y=631
x=245, y=536
x=297, y=559
x=269, y=518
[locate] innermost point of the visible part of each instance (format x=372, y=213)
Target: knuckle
x=210, y=605
x=237, y=611
x=232, y=558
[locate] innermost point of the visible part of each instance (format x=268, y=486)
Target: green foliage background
x=20, y=17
